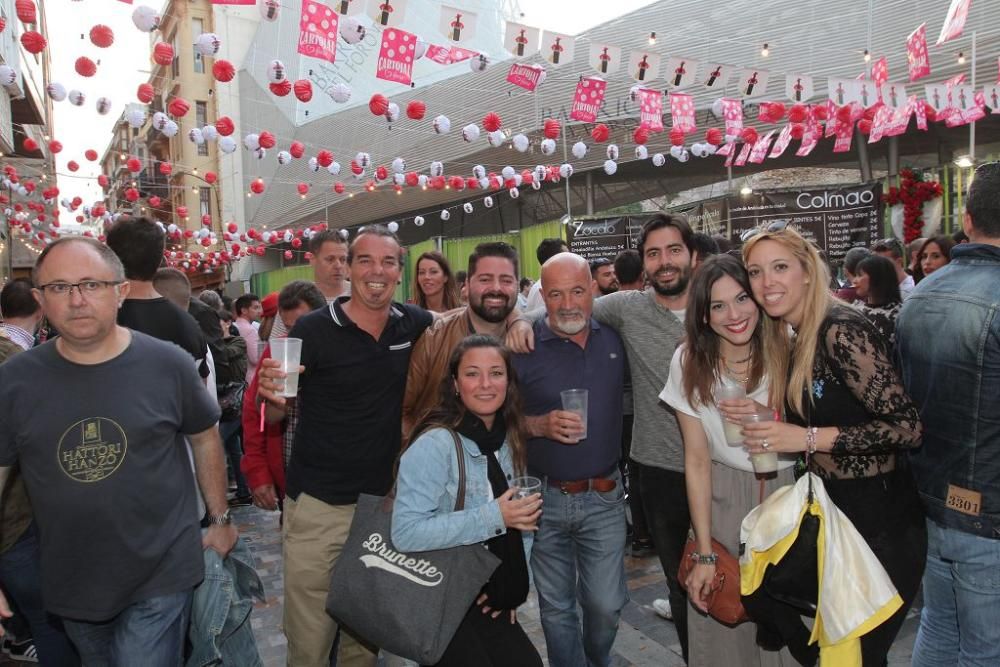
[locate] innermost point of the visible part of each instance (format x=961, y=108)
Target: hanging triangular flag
x=387, y=12
x=521, y=40
x=643, y=66
x=457, y=24
x=558, y=48
x=681, y=72
x=799, y=87
x=605, y=58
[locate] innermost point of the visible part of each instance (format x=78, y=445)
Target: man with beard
x=603, y=273
x=651, y=323
x=578, y=557
x=492, y=292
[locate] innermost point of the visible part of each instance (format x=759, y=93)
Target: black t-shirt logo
x=92, y=449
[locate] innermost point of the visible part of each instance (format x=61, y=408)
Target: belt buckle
x=563, y=489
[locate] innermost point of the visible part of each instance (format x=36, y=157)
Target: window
x=197, y=28
x=205, y=200
x=201, y=119
x=175, y=64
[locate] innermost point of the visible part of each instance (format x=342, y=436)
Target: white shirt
x=906, y=287
x=711, y=418
x=535, y=300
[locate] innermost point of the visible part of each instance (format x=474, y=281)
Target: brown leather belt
x=599, y=484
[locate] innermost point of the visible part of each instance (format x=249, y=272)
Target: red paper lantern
x=281, y=88
x=600, y=133
x=303, y=188
x=206, y=220
x=102, y=36
x=55, y=146
x=266, y=140
x=471, y=183
x=865, y=126
x=415, y=110
x=3, y=23
x=134, y=165
x=676, y=136
x=749, y=135
x=225, y=126
x=456, y=183
x=163, y=53
x=324, y=158
x=30, y=145
x=412, y=179
x=33, y=42
x=178, y=107
x=182, y=211
x=26, y=11
x=378, y=104
x=820, y=112
x=257, y=186
x=297, y=149
x=232, y=227
x=154, y=201
x=338, y=187
x=797, y=113
x=297, y=241
x=206, y=241
x=223, y=71
x=492, y=122
x=145, y=93
x=437, y=182
x=356, y=168
x=84, y=66
x=551, y=128
x=640, y=136
x=166, y=168
x=381, y=173
x=132, y=194
x=930, y=112
x=260, y=251
x=90, y=154
x=303, y=90
x=102, y=180
x=288, y=254
x=844, y=114
x=798, y=130
x=72, y=165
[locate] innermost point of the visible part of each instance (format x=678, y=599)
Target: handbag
x=408, y=604
x=231, y=400
x=724, y=603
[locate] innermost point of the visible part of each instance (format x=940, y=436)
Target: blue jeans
x=959, y=622
x=149, y=632
x=579, y=556
x=21, y=578
x=230, y=433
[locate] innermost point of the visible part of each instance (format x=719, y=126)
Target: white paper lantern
x=276, y=72
x=566, y=170
x=610, y=167
x=252, y=141
x=344, y=233
x=684, y=156
x=641, y=152
x=539, y=172
x=698, y=150
x=136, y=117
x=334, y=168
x=445, y=215
x=313, y=164
x=260, y=153
x=467, y=207
x=479, y=62
x=340, y=92
x=495, y=138
x=207, y=44
x=284, y=157
x=145, y=18
x=195, y=136
x=8, y=77
x=392, y=112
x=659, y=160
x=612, y=151
x=520, y=143
x=160, y=120
x=227, y=144
x=515, y=193
x=675, y=152
x=710, y=149
x=508, y=172
x=419, y=221
x=364, y=159
x=103, y=105
x=351, y=31
x=487, y=202
x=442, y=125
x=422, y=181
x=548, y=146
x=56, y=91
x=437, y=168
x=717, y=108
x=398, y=165
x=579, y=150
x=419, y=49
x=269, y=9
x=77, y=98
x=479, y=171
x=633, y=92
x=484, y=183
x=470, y=132
x=393, y=226
x=399, y=179
x=210, y=133
x=171, y=129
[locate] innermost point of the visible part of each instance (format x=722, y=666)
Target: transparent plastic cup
x=575, y=400
x=526, y=486
x=734, y=432
x=289, y=352
x=766, y=462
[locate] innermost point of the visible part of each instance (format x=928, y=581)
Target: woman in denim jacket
x=478, y=401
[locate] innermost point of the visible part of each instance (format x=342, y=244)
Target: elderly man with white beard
x=579, y=550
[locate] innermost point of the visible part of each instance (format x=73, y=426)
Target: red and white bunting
x=954, y=22
x=682, y=112
x=781, y=144
x=761, y=148
x=732, y=113
x=651, y=110
x=917, y=59
x=588, y=99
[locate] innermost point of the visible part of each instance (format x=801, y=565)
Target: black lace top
x=884, y=319
x=857, y=389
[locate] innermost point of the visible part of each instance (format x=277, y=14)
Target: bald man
x=579, y=551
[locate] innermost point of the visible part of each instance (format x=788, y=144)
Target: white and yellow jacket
x=855, y=592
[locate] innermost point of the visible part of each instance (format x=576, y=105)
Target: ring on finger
x=765, y=444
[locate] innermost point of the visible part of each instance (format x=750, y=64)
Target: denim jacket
x=424, y=516
x=220, y=631
x=948, y=343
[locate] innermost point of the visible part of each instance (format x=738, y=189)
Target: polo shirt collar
x=341, y=319
x=547, y=333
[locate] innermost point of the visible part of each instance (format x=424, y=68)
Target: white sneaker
x=662, y=609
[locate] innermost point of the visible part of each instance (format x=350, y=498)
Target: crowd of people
x=714, y=376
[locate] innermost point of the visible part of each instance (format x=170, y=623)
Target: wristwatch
x=704, y=559
x=223, y=519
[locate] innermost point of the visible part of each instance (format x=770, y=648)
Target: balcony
x=154, y=184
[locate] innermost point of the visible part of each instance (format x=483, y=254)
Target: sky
x=123, y=66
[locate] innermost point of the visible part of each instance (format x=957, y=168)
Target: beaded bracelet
x=700, y=559
x=811, y=440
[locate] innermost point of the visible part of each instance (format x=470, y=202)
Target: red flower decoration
x=913, y=193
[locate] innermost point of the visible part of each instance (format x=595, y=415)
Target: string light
x=961, y=58
x=868, y=56
x=765, y=52
x=652, y=39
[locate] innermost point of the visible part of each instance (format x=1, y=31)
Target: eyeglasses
x=85, y=287
x=775, y=226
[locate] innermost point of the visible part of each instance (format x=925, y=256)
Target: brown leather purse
x=724, y=603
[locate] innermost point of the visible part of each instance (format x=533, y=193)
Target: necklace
x=733, y=373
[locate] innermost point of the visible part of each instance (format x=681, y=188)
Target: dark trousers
x=632, y=484
x=664, y=499
x=231, y=433
x=484, y=641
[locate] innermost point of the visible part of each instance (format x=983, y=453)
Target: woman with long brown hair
x=434, y=286
x=479, y=402
x=845, y=406
x=722, y=351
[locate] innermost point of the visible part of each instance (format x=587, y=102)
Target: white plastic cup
x=575, y=400
x=289, y=352
x=526, y=486
x=766, y=462
x=734, y=432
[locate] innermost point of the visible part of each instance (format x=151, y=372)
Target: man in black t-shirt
x=101, y=450
x=139, y=244
x=356, y=354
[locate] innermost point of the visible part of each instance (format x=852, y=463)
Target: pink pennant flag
x=916, y=53
x=900, y=120
x=879, y=123
x=588, y=99
x=127, y=2
x=457, y=54
x=732, y=112
x=844, y=135
x=954, y=22
x=651, y=110
x=781, y=144
x=744, y=154
x=438, y=54
x=919, y=110
x=318, y=31
x=760, y=148
x=880, y=71
x=395, y=56
x=525, y=76
x=730, y=156
x=809, y=141
x=682, y=112
x=956, y=80
x=726, y=149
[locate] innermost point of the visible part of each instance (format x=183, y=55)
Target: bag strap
x=460, y=455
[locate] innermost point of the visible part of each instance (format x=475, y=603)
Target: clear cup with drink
x=575, y=400
x=731, y=392
x=288, y=351
x=765, y=463
x=526, y=486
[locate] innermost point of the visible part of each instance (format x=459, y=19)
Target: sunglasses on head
x=774, y=226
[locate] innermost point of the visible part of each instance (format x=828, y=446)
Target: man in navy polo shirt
x=580, y=545
x=355, y=355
